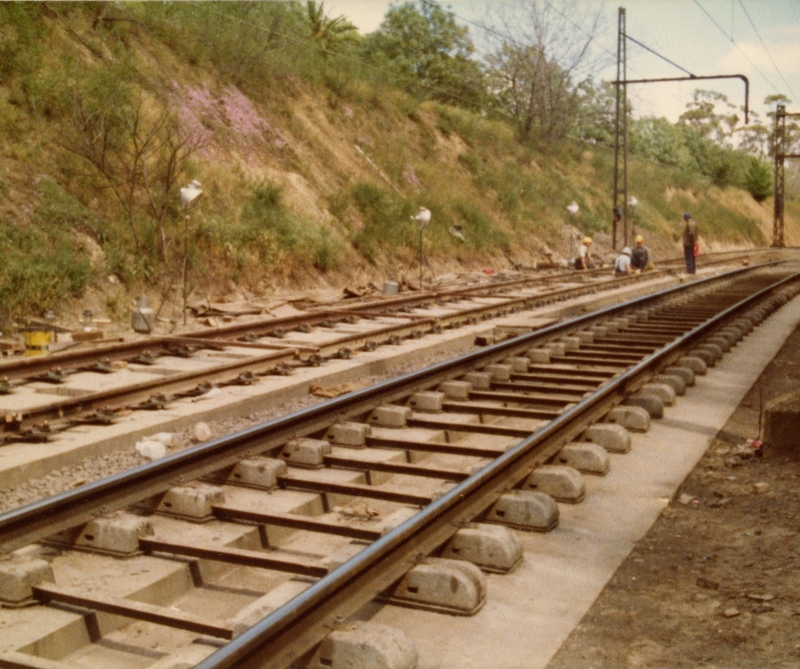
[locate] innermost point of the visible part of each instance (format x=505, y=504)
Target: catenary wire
x=733, y=41
x=766, y=50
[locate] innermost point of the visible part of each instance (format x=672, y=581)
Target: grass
x=266, y=234
x=42, y=267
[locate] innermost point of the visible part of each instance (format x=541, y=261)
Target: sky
x=759, y=39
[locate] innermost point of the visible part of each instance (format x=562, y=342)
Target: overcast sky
x=759, y=39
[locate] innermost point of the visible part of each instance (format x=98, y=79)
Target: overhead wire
x=733, y=41
x=766, y=50
x=571, y=22
x=655, y=53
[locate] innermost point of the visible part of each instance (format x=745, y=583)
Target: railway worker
x=689, y=242
x=584, y=259
x=622, y=265
x=640, y=258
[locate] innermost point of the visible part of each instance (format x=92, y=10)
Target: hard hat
x=587, y=240
x=639, y=239
x=626, y=251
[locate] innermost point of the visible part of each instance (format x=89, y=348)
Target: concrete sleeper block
x=614, y=438
x=193, y=502
x=562, y=483
x=633, y=418
x=351, y=434
x=18, y=575
x=390, y=416
x=259, y=609
x=733, y=333
x=456, y=390
x=479, y=380
x=571, y=343
x=713, y=349
x=556, y=348
x=525, y=510
x=258, y=472
x=649, y=401
x=365, y=645
x=519, y=365
x=664, y=391
x=498, y=372
x=306, y=452
x=674, y=381
x=707, y=356
x=697, y=365
x=443, y=585
x=117, y=534
x=430, y=401
x=721, y=340
x=538, y=355
x=491, y=548
x=585, y=457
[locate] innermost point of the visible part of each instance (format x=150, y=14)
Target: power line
x=655, y=53
x=733, y=41
x=571, y=22
x=755, y=30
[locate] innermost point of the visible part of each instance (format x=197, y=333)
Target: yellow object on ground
x=37, y=342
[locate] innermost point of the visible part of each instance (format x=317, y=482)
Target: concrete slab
x=530, y=612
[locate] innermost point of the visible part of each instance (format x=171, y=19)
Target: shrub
x=758, y=180
x=267, y=232
x=385, y=217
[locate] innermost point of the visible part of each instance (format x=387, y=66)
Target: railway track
x=370, y=495
x=242, y=353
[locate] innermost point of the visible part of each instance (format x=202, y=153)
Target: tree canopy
x=428, y=53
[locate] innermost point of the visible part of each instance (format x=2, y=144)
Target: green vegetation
x=108, y=109
x=44, y=264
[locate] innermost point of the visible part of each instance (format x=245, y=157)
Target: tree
x=755, y=137
x=792, y=137
x=325, y=31
x=658, y=139
x=703, y=115
x=533, y=70
x=597, y=113
x=137, y=153
x=424, y=47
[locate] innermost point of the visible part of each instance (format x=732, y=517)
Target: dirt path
x=716, y=581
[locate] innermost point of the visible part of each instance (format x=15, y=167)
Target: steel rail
x=64, y=412
x=25, y=425
x=227, y=335
x=290, y=631
x=40, y=519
